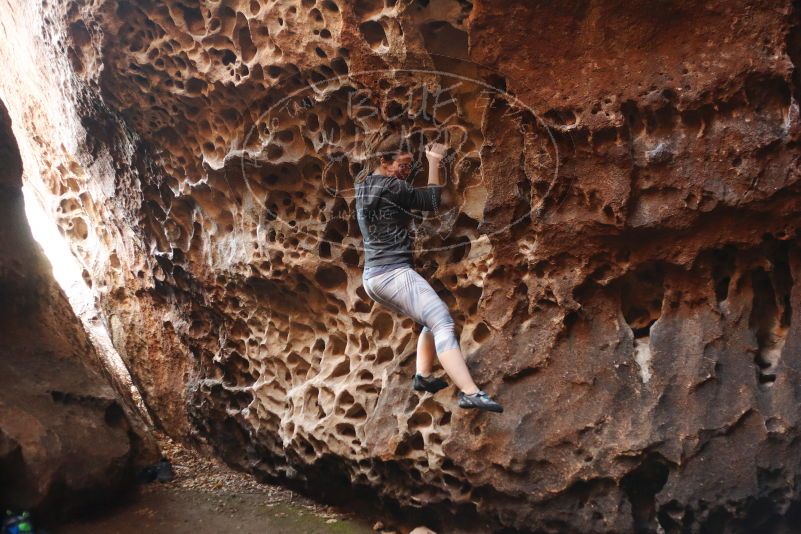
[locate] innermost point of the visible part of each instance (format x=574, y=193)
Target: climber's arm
x=435, y=154
x=425, y=198
x=419, y=198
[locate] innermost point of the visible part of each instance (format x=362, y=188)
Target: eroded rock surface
x=67, y=439
x=620, y=258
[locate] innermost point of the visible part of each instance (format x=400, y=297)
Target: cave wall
x=620, y=254
x=68, y=440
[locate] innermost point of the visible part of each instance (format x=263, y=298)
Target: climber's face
x=400, y=167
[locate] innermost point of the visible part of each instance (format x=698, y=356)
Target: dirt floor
x=207, y=497
x=176, y=510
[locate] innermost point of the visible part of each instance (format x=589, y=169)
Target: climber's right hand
x=435, y=152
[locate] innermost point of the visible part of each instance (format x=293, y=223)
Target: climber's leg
x=426, y=352
x=404, y=290
x=450, y=355
x=431, y=311
x=453, y=363
x=377, y=286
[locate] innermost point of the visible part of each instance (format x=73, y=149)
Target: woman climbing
x=383, y=201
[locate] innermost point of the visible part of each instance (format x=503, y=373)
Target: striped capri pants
x=406, y=292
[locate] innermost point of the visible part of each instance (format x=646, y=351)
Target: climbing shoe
x=428, y=383
x=479, y=400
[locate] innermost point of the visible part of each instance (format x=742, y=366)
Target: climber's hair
x=384, y=146
x=392, y=145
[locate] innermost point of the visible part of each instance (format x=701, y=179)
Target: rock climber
x=384, y=199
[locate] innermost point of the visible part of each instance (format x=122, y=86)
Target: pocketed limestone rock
x=619, y=247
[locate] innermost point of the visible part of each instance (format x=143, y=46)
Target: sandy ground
x=207, y=497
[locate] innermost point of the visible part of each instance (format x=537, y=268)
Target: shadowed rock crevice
x=771, y=313
x=641, y=485
x=68, y=440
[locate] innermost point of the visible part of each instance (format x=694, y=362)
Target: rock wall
x=68, y=441
x=619, y=253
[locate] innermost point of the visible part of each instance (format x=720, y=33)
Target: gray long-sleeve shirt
x=383, y=205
